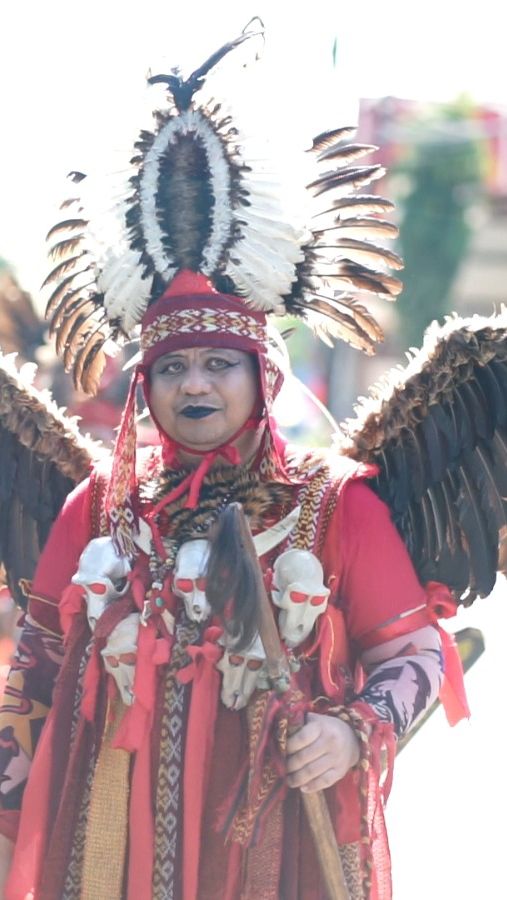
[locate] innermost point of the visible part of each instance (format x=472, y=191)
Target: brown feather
x=349, y=275
x=66, y=246
x=360, y=314
x=70, y=201
x=66, y=225
x=68, y=304
x=59, y=292
x=89, y=363
x=364, y=252
x=327, y=138
x=346, y=153
x=337, y=324
x=363, y=204
x=346, y=180
x=366, y=226
x=72, y=324
x=62, y=268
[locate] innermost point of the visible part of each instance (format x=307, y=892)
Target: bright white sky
x=71, y=74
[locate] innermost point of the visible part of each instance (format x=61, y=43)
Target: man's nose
x=196, y=381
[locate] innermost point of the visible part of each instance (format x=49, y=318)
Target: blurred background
x=426, y=84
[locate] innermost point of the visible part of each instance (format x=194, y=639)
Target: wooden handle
x=319, y=820
x=315, y=804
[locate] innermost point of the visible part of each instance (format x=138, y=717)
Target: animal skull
x=299, y=591
x=101, y=573
x=242, y=672
x=189, y=579
x=120, y=655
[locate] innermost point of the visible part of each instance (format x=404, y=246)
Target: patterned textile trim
x=203, y=321
x=72, y=888
x=350, y=855
x=262, y=870
x=252, y=804
x=312, y=499
x=358, y=724
x=98, y=488
x=148, y=466
x=274, y=379
x=169, y=776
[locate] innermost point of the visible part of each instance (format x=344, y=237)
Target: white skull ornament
x=189, y=579
x=242, y=672
x=299, y=591
x=120, y=654
x=101, y=573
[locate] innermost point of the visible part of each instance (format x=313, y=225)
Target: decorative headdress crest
x=197, y=199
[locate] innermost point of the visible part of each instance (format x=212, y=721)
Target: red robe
x=372, y=582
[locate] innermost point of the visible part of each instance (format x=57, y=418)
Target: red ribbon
x=193, y=482
x=331, y=642
x=151, y=652
x=441, y=605
x=71, y=604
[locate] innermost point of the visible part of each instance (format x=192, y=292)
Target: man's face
x=201, y=396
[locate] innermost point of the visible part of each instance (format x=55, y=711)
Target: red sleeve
x=376, y=578
x=67, y=539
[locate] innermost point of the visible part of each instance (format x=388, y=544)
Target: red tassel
x=441, y=605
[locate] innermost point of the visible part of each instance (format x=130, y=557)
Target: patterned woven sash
x=106, y=833
x=169, y=780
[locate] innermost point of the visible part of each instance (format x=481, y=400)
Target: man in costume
x=165, y=769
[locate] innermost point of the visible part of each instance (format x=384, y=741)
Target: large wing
x=42, y=457
x=437, y=429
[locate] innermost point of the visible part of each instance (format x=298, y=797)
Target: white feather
x=126, y=290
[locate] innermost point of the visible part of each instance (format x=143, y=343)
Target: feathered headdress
x=198, y=198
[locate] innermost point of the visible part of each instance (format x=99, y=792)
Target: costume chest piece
x=297, y=589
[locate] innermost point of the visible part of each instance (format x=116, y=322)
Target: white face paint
x=299, y=591
x=120, y=654
x=189, y=581
x=242, y=672
x=101, y=573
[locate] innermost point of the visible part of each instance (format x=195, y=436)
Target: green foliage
x=443, y=173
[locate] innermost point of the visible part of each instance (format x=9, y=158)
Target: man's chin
x=203, y=443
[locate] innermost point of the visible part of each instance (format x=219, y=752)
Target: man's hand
x=320, y=753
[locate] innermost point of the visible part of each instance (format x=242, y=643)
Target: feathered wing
x=437, y=430
x=200, y=195
x=42, y=457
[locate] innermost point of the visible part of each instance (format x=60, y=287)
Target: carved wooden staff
x=279, y=674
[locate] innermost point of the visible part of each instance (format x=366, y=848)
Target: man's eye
x=170, y=368
x=217, y=362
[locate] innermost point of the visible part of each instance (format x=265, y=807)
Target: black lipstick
x=197, y=412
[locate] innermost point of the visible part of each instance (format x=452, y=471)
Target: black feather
x=480, y=543
x=183, y=90
x=493, y=380
x=434, y=448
